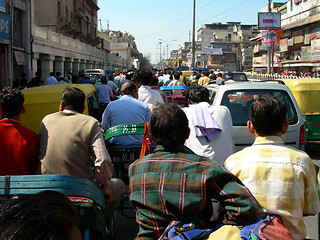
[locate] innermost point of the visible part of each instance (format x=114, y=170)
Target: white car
x=238, y=96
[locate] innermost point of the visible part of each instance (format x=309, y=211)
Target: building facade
x=296, y=48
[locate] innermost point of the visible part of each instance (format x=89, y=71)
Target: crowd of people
x=193, y=177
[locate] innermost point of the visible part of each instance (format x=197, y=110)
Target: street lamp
x=167, y=45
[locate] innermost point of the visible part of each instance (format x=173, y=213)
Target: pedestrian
x=173, y=183
x=281, y=178
x=19, y=146
x=105, y=94
x=176, y=82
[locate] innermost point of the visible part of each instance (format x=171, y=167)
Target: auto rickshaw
x=307, y=94
x=44, y=100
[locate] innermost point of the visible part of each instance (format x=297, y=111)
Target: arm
x=240, y=207
x=102, y=163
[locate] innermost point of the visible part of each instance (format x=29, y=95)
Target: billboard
x=212, y=51
x=269, y=21
x=3, y=6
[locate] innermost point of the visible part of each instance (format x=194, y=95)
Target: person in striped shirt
x=173, y=183
x=281, y=178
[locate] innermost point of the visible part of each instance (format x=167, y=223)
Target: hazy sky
x=171, y=20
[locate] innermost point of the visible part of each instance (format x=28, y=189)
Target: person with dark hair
x=211, y=126
x=105, y=94
x=219, y=77
x=45, y=215
x=176, y=82
x=126, y=110
x=51, y=79
x=281, y=178
x=19, y=146
x=173, y=183
x=69, y=140
x=143, y=78
x=204, y=78
x=36, y=81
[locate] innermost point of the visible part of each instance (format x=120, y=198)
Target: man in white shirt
x=142, y=79
x=211, y=135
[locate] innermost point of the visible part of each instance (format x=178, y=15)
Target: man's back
x=281, y=178
x=19, y=148
x=65, y=139
x=221, y=146
x=149, y=96
x=126, y=110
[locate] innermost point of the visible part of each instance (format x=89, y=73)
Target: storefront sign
x=269, y=21
x=315, y=49
x=212, y=51
x=290, y=42
x=5, y=25
x=259, y=60
x=307, y=39
x=3, y=6
x=318, y=32
x=306, y=53
x=298, y=39
x=283, y=48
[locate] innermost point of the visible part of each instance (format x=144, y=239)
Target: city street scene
x=193, y=119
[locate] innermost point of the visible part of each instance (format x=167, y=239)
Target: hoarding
x=269, y=21
x=3, y=6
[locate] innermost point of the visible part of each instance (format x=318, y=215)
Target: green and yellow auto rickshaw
x=307, y=94
x=43, y=100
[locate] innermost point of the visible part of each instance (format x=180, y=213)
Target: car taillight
x=302, y=139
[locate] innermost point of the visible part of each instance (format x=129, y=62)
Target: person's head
x=72, y=99
x=51, y=74
x=45, y=215
x=129, y=75
x=104, y=80
x=177, y=75
x=129, y=88
x=169, y=126
x=11, y=103
x=213, y=76
x=142, y=77
x=219, y=74
x=197, y=93
x=267, y=116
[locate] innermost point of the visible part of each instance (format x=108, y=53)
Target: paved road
x=126, y=228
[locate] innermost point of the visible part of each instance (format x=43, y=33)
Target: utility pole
x=160, y=54
x=269, y=51
x=193, y=33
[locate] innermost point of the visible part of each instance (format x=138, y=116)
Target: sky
x=171, y=20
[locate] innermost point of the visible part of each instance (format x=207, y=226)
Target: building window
x=59, y=9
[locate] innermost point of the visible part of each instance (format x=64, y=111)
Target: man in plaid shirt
x=282, y=179
x=173, y=183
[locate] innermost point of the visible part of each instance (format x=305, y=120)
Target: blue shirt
x=126, y=110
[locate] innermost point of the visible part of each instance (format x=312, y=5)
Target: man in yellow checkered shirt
x=282, y=179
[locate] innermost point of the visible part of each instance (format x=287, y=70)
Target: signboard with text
x=5, y=24
x=269, y=21
x=212, y=51
x=3, y=6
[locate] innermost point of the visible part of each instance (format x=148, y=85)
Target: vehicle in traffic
x=95, y=71
x=238, y=97
x=44, y=100
x=235, y=76
x=307, y=94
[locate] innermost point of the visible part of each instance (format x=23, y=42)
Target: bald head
x=129, y=88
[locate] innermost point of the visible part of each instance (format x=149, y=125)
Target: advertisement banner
x=5, y=26
x=269, y=21
x=315, y=49
x=269, y=39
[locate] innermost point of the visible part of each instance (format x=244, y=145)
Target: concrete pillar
x=68, y=65
x=35, y=57
x=94, y=64
x=75, y=66
x=46, y=66
x=59, y=64
x=82, y=65
x=88, y=64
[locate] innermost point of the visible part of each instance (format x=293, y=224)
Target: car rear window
x=239, y=102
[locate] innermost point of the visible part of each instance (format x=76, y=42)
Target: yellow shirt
x=281, y=178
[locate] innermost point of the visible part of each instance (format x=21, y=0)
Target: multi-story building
x=297, y=44
x=225, y=46
x=15, y=46
x=124, y=45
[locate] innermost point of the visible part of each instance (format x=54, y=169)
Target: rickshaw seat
x=180, y=100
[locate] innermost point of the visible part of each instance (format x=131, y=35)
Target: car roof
x=247, y=85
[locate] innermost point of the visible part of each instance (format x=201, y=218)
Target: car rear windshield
x=239, y=102
x=238, y=77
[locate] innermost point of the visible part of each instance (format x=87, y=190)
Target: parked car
x=238, y=97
